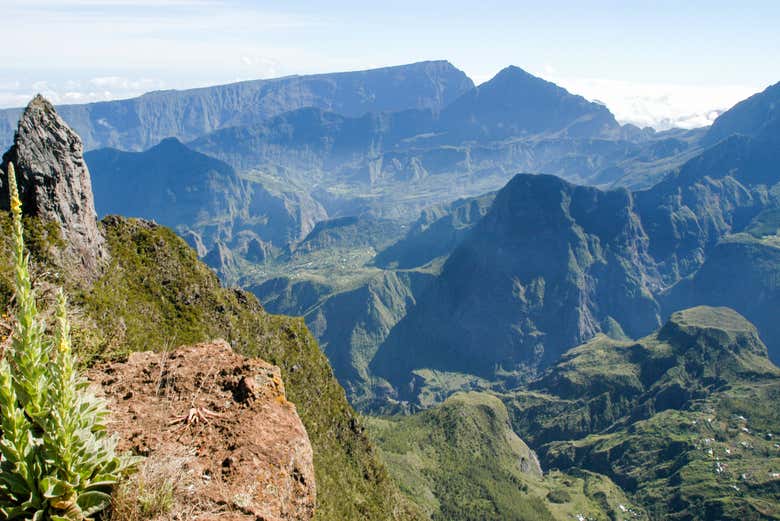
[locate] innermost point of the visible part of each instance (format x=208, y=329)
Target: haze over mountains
x=548, y=266
x=329, y=146
x=139, y=123
x=506, y=266
x=391, y=292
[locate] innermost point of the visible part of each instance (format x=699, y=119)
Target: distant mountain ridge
x=227, y=218
x=170, y=183
x=515, y=103
x=393, y=164
x=552, y=264
x=139, y=123
x=461, y=293
x=508, y=284
x=314, y=163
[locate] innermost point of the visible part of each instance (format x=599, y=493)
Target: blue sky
x=659, y=62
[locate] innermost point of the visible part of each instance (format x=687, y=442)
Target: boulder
x=216, y=428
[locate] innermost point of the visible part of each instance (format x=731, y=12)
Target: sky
x=659, y=63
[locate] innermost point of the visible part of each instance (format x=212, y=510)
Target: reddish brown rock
x=218, y=427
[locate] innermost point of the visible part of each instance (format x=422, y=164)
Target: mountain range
x=591, y=339
x=438, y=139
x=398, y=280
x=139, y=123
x=505, y=283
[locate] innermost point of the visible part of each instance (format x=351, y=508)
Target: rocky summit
x=54, y=183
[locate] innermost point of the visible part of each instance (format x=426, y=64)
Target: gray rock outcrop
x=54, y=184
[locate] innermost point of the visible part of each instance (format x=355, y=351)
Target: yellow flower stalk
x=57, y=461
x=16, y=203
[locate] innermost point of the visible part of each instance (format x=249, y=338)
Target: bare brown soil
x=219, y=437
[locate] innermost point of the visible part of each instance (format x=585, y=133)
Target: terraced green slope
x=683, y=420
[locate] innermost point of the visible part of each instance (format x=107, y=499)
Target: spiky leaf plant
x=58, y=461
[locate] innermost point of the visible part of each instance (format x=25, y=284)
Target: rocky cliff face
x=54, y=183
x=218, y=428
x=142, y=122
x=550, y=265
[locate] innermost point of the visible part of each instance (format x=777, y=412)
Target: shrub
x=559, y=496
x=58, y=462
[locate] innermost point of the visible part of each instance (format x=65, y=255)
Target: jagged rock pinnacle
x=54, y=183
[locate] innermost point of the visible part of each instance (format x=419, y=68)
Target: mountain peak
x=513, y=72
x=515, y=103
x=171, y=142
x=39, y=103
x=717, y=339
x=170, y=145
x=54, y=181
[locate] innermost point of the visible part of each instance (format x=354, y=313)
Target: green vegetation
x=462, y=461
x=681, y=425
x=155, y=295
x=58, y=463
x=683, y=420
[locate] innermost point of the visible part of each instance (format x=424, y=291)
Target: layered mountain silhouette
x=552, y=264
x=495, y=287
x=216, y=210
x=513, y=280
x=546, y=294
x=139, y=123
x=331, y=160
x=170, y=183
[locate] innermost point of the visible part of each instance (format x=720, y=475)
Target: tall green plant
x=58, y=461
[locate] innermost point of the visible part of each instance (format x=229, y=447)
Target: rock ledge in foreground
x=244, y=453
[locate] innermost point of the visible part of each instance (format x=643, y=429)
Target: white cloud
x=659, y=105
x=101, y=88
